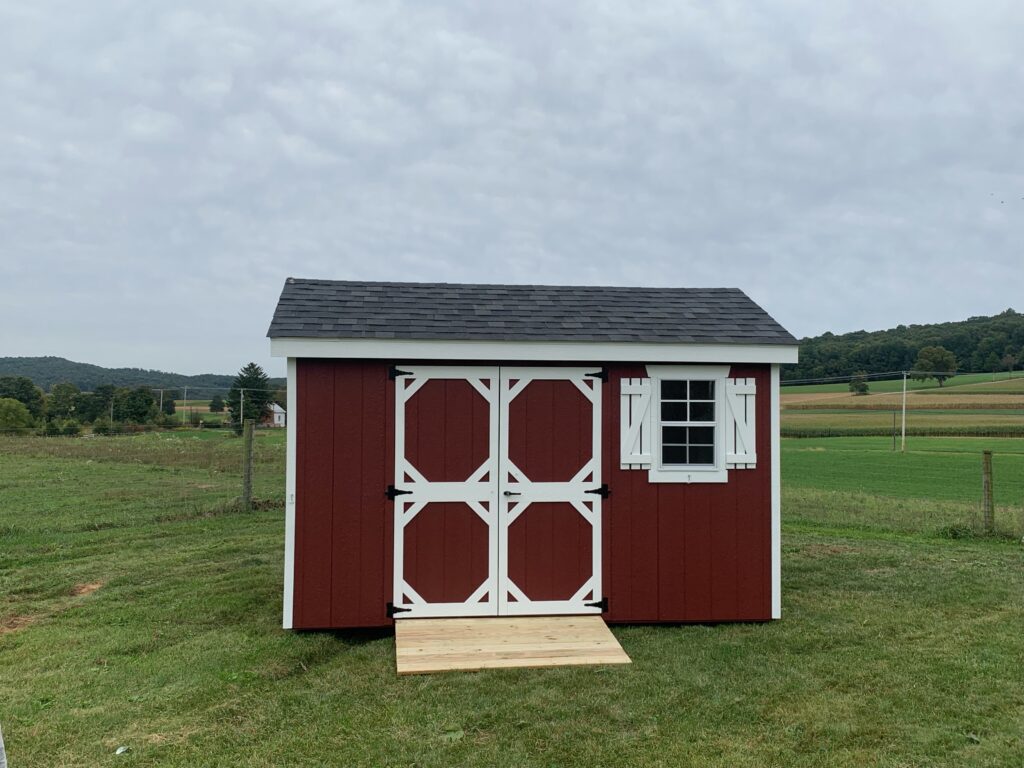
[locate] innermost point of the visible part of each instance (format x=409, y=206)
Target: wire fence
x=907, y=461
x=846, y=461
x=129, y=477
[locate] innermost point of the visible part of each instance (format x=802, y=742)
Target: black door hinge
x=602, y=604
x=393, y=609
x=604, y=491
x=394, y=373
x=602, y=374
x=391, y=492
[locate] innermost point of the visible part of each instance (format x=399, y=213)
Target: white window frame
x=689, y=473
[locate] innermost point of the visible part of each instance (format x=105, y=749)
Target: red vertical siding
x=342, y=544
x=445, y=552
x=688, y=552
x=671, y=553
x=314, y=493
x=447, y=431
x=550, y=430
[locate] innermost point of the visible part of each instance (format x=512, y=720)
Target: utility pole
x=161, y=401
x=903, y=430
x=184, y=402
x=241, y=406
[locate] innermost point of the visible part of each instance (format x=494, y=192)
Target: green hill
x=979, y=343
x=47, y=371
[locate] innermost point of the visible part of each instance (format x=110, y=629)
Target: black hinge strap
x=602, y=374
x=391, y=492
x=602, y=604
x=604, y=491
x=393, y=609
x=394, y=373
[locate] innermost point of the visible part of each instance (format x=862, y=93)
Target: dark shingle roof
x=342, y=309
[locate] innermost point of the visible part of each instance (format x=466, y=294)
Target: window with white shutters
x=687, y=424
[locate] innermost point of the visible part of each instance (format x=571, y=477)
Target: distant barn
x=481, y=450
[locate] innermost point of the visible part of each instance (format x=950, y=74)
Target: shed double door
x=497, y=491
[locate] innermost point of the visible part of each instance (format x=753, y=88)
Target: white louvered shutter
x=740, y=451
x=635, y=427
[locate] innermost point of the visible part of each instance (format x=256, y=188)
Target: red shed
x=481, y=450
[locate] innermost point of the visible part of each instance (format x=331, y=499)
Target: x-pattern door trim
x=483, y=491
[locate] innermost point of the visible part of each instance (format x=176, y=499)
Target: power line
x=892, y=376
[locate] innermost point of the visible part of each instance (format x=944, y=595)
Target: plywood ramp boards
x=446, y=645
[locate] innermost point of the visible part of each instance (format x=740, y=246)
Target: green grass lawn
x=139, y=607
x=935, y=484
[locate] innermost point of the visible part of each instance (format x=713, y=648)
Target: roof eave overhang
x=541, y=351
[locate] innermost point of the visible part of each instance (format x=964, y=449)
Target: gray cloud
x=165, y=167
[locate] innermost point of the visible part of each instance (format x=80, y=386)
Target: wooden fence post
x=988, y=512
x=247, y=457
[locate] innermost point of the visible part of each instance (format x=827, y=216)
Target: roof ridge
x=411, y=283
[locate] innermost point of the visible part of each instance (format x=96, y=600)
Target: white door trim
x=527, y=492
x=475, y=492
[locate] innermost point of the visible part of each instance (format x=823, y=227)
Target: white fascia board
x=292, y=427
x=776, y=497
x=547, y=351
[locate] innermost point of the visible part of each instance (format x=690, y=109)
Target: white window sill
x=688, y=475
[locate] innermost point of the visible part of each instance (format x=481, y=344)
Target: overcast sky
x=164, y=166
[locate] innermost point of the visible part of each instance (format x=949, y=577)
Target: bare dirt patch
x=86, y=589
x=14, y=623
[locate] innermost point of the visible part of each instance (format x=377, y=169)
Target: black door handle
x=513, y=493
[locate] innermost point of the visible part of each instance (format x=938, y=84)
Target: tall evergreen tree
x=258, y=395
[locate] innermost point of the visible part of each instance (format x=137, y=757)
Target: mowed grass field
x=140, y=608
x=934, y=487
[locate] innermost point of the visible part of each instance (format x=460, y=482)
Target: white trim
x=719, y=473
x=472, y=491
x=776, y=534
x=292, y=427
x=528, y=491
x=547, y=351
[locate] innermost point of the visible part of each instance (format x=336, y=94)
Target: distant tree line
x=980, y=344
x=45, y=372
x=65, y=408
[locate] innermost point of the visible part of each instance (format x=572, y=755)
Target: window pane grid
x=688, y=422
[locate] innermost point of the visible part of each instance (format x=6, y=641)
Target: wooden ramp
x=444, y=645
